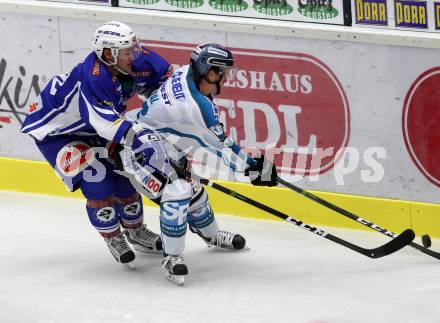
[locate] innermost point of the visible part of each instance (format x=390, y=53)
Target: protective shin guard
x=173, y=216
x=103, y=216
x=201, y=217
x=173, y=222
x=130, y=211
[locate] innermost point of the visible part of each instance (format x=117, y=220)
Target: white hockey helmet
x=113, y=35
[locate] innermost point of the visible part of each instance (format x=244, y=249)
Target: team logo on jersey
x=132, y=209
x=421, y=124
x=74, y=157
x=106, y=214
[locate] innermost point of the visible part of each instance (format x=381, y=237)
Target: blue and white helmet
x=210, y=55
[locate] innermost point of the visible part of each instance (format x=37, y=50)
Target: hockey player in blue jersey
x=184, y=115
x=80, y=114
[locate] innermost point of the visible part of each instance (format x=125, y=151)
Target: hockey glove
x=263, y=173
x=144, y=157
x=183, y=168
x=115, y=154
x=147, y=148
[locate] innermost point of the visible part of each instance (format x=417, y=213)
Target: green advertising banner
x=318, y=11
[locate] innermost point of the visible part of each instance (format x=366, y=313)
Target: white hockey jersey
x=189, y=120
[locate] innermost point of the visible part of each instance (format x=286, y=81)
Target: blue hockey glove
x=262, y=173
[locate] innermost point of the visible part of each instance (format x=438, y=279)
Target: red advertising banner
x=421, y=123
x=289, y=105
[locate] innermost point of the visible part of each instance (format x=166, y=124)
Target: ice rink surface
x=56, y=268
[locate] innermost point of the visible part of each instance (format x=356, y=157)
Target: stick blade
x=403, y=239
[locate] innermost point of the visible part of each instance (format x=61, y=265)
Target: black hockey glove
x=115, y=154
x=263, y=173
x=182, y=168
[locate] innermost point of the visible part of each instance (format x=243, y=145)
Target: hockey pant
x=81, y=162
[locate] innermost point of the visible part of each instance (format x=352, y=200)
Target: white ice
x=55, y=268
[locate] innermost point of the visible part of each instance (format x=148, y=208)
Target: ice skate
x=144, y=240
x=175, y=269
x=226, y=240
x=120, y=249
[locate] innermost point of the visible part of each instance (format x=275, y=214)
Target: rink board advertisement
x=104, y=2
x=326, y=11
x=334, y=116
x=397, y=14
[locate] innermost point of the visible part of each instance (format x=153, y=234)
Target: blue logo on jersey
x=163, y=93
x=176, y=85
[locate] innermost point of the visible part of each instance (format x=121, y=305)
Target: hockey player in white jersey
x=183, y=113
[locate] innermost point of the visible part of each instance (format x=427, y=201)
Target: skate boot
x=120, y=249
x=226, y=240
x=174, y=268
x=144, y=240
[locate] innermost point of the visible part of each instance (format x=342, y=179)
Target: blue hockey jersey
x=89, y=100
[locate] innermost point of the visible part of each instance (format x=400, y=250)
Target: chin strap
x=120, y=70
x=113, y=64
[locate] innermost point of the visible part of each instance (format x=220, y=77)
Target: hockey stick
x=390, y=247
x=354, y=216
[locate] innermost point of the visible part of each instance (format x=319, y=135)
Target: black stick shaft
x=392, y=246
x=354, y=216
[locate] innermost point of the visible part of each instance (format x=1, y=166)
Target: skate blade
x=179, y=280
x=147, y=250
x=246, y=248
x=130, y=265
